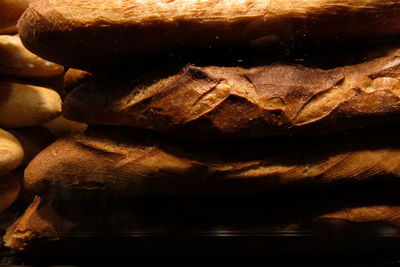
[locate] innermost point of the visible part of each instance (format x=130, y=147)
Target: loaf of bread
x=38, y=221
x=374, y=214
x=10, y=11
x=24, y=105
x=131, y=162
x=16, y=60
x=231, y=102
x=98, y=33
x=61, y=126
x=44, y=220
x=73, y=78
x=10, y=30
x=33, y=140
x=11, y=152
x=10, y=187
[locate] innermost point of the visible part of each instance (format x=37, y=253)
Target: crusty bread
x=10, y=187
x=131, y=162
x=10, y=11
x=231, y=102
x=61, y=126
x=11, y=152
x=38, y=221
x=45, y=219
x=73, y=78
x=10, y=30
x=98, y=33
x=16, y=60
x=24, y=105
x=33, y=140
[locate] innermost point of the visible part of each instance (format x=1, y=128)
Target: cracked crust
x=230, y=102
x=131, y=162
x=95, y=34
x=38, y=221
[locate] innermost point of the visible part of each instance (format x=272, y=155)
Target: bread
x=45, y=219
x=10, y=187
x=24, y=105
x=104, y=33
x=231, y=102
x=374, y=214
x=61, y=126
x=33, y=140
x=10, y=11
x=16, y=60
x=130, y=162
x=11, y=152
x=73, y=78
x=38, y=221
x=10, y=30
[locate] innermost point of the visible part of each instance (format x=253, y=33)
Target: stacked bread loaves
x=170, y=116
x=28, y=100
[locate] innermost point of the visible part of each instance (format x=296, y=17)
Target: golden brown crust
x=130, y=162
x=220, y=102
x=38, y=221
x=16, y=60
x=10, y=11
x=11, y=152
x=96, y=34
x=74, y=77
x=24, y=105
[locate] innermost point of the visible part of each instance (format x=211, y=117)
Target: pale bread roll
x=9, y=30
x=10, y=11
x=10, y=187
x=11, y=152
x=24, y=105
x=16, y=60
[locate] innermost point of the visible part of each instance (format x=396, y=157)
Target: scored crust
x=96, y=34
x=230, y=102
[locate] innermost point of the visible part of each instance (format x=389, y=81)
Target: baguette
x=16, y=60
x=96, y=34
x=10, y=11
x=10, y=187
x=127, y=162
x=44, y=220
x=11, y=152
x=26, y=105
x=38, y=221
x=231, y=102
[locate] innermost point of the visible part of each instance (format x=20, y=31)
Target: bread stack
x=173, y=113
x=28, y=100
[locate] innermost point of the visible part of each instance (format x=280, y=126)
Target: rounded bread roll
x=24, y=105
x=11, y=152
